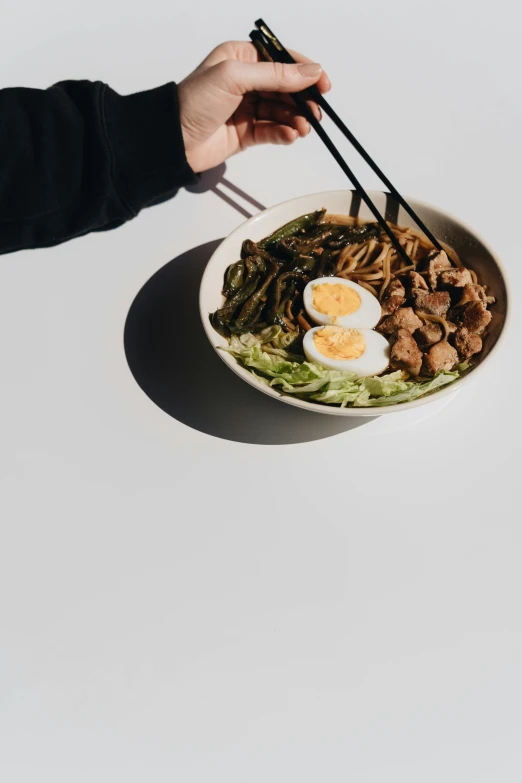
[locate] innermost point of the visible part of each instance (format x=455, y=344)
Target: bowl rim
x=337, y=410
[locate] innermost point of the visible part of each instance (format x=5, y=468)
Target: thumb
x=239, y=78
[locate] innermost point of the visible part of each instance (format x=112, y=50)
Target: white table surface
x=240, y=592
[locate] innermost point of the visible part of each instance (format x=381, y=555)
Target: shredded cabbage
x=267, y=356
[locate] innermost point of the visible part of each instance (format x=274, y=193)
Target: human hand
x=232, y=101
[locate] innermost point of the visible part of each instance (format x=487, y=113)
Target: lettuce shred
x=268, y=355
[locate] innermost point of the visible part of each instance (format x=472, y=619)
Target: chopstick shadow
x=172, y=361
x=214, y=180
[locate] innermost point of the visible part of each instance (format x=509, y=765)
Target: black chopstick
x=285, y=56
x=268, y=51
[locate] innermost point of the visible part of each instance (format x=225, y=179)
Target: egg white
x=374, y=360
x=367, y=316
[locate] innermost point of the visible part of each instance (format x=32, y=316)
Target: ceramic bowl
x=474, y=252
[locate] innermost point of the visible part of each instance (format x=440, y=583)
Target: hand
x=232, y=101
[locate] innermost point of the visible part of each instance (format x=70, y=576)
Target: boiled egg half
x=334, y=300
x=361, y=351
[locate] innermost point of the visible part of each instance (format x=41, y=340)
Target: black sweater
x=78, y=157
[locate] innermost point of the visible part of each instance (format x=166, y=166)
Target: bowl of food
x=309, y=302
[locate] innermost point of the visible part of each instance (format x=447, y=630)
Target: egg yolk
x=335, y=299
x=334, y=342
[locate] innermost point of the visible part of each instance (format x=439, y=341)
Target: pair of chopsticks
x=271, y=49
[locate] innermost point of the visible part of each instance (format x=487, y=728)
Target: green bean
x=277, y=292
x=304, y=263
x=327, y=265
x=222, y=317
x=289, y=229
x=255, y=326
x=352, y=234
x=288, y=294
x=219, y=324
x=288, y=246
x=248, y=248
x=251, y=305
x=233, y=278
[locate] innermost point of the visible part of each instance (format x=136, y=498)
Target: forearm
x=78, y=157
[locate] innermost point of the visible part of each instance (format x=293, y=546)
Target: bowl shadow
x=173, y=362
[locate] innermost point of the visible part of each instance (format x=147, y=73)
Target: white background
x=238, y=593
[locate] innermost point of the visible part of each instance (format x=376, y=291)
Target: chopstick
x=269, y=52
x=271, y=48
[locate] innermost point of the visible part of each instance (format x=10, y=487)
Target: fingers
x=280, y=97
x=244, y=51
x=239, y=78
x=283, y=114
x=272, y=133
x=324, y=84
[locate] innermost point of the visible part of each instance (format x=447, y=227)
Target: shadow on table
x=173, y=362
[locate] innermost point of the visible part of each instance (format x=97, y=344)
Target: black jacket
x=78, y=157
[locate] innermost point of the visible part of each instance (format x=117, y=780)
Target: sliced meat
x=435, y=261
x=394, y=297
x=472, y=293
x=395, y=288
x=474, y=316
x=417, y=281
x=439, y=259
x=433, y=304
x=429, y=334
x=404, y=318
x=405, y=353
x=391, y=304
x=467, y=343
x=441, y=356
x=454, y=278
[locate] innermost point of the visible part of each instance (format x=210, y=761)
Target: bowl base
x=383, y=425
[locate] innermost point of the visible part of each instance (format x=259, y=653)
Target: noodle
x=452, y=255
x=303, y=323
x=362, y=276
x=351, y=266
x=360, y=254
x=383, y=252
x=344, y=255
x=387, y=272
x=368, y=287
x=371, y=248
x=474, y=276
x=375, y=262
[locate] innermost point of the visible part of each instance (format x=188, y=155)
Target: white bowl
x=474, y=252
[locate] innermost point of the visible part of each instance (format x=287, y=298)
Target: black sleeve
x=78, y=157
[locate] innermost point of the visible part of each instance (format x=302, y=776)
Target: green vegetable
x=233, y=278
x=275, y=298
x=299, y=224
x=221, y=319
x=350, y=234
x=266, y=355
x=251, y=307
